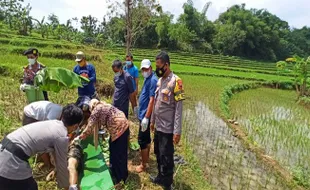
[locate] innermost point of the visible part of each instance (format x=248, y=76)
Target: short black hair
x=118, y=64
x=164, y=57
x=71, y=115
x=129, y=55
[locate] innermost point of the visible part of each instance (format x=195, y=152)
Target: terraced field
x=258, y=151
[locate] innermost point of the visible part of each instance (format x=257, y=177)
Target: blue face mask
x=128, y=63
x=117, y=74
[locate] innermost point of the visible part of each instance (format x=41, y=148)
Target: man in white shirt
x=41, y=111
x=44, y=136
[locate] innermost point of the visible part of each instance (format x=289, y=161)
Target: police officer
x=167, y=116
x=31, y=69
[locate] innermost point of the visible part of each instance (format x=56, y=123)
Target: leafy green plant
x=301, y=71
x=302, y=176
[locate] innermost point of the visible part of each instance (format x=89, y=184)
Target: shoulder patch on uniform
x=179, y=94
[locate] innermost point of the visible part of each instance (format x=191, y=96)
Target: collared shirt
x=39, y=137
x=109, y=117
x=148, y=91
x=134, y=72
x=43, y=110
x=123, y=88
x=167, y=113
x=30, y=72
x=88, y=88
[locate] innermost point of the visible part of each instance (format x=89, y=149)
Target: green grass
x=14, y=64
x=222, y=155
x=214, y=155
x=276, y=122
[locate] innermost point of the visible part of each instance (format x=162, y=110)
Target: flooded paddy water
x=278, y=124
x=224, y=160
x=227, y=164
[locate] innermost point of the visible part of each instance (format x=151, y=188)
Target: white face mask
x=146, y=74
x=32, y=61
x=117, y=74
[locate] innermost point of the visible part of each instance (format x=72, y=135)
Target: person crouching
x=116, y=123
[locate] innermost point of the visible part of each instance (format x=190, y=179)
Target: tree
x=23, y=21
x=114, y=31
x=53, y=21
x=228, y=39
x=89, y=26
x=183, y=36
x=264, y=31
x=128, y=13
x=136, y=14
x=198, y=24
x=163, y=23
x=16, y=15
x=42, y=27
x=300, y=69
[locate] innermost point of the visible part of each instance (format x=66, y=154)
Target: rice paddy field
x=266, y=146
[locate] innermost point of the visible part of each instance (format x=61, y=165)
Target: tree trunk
x=297, y=88
x=304, y=87
x=128, y=25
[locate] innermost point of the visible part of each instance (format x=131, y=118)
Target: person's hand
x=176, y=139
x=73, y=187
x=51, y=176
x=144, y=123
x=22, y=87
x=77, y=140
x=152, y=127
x=84, y=75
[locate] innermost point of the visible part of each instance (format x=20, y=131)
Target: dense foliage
x=239, y=31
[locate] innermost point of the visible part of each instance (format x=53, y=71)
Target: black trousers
x=45, y=95
x=26, y=184
x=28, y=120
x=119, y=157
x=144, y=138
x=164, y=150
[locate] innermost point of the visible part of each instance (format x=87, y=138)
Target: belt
x=8, y=145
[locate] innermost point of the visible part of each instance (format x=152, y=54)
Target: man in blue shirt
x=124, y=90
x=88, y=91
x=146, y=103
x=133, y=71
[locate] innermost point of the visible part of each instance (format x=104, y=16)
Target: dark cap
x=33, y=51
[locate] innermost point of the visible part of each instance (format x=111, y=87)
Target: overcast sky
x=295, y=12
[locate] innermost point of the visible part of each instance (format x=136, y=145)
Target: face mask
x=146, y=74
x=117, y=74
x=128, y=63
x=32, y=61
x=160, y=71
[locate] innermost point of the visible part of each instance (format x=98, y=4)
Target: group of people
x=52, y=131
